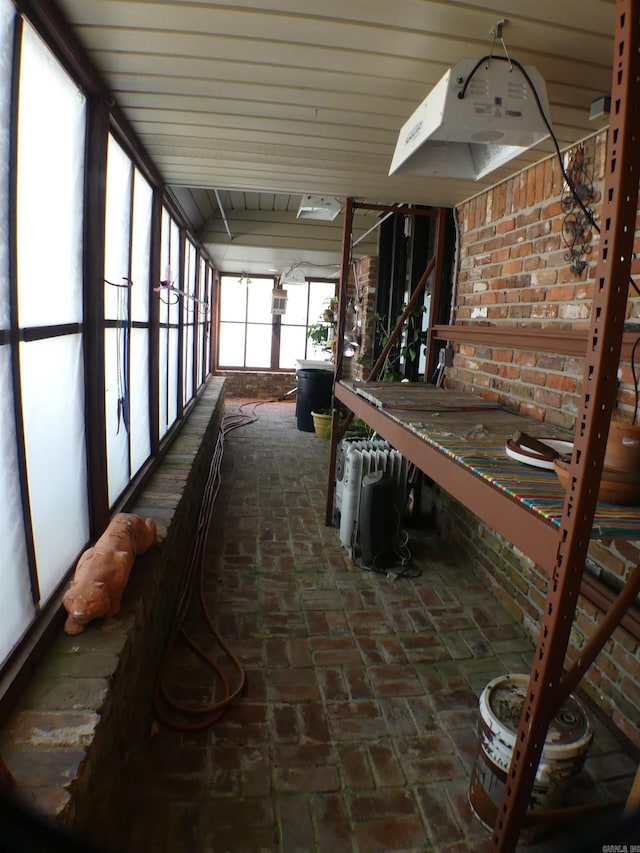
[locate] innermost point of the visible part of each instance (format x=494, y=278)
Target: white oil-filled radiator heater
x=371, y=485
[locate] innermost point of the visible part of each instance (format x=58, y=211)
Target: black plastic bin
x=314, y=392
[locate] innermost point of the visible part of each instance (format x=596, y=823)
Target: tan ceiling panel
x=294, y=96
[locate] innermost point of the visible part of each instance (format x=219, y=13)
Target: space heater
x=378, y=520
x=357, y=459
x=278, y=301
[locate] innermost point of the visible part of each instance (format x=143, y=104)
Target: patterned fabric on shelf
x=473, y=432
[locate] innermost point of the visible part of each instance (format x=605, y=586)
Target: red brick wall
x=513, y=273
x=365, y=300
x=521, y=586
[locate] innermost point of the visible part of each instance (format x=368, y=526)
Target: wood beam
x=572, y=342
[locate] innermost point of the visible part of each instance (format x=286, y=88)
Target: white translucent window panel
x=52, y=375
x=200, y=354
x=16, y=606
x=141, y=248
x=209, y=336
x=174, y=351
x=139, y=432
x=292, y=345
x=166, y=272
x=188, y=318
x=317, y=351
x=297, y=304
x=422, y=360
x=202, y=279
x=7, y=19
x=175, y=261
x=259, y=291
x=117, y=436
x=320, y=292
x=50, y=181
x=163, y=368
x=188, y=339
x=117, y=228
x=231, y=352
x=233, y=299
x=208, y=349
x=258, y=345
x=174, y=301
x=191, y=270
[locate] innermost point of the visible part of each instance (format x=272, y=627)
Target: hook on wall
x=496, y=32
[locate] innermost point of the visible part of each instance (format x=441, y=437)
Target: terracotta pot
x=616, y=487
x=623, y=448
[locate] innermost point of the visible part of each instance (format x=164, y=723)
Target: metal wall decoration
x=577, y=226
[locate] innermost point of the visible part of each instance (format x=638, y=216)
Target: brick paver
x=356, y=733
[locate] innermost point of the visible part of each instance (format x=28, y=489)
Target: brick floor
x=356, y=733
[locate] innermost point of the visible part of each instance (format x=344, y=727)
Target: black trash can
x=314, y=392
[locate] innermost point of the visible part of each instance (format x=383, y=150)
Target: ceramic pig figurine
x=102, y=572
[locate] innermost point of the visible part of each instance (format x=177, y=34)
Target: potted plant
x=407, y=348
x=322, y=422
x=322, y=332
x=319, y=334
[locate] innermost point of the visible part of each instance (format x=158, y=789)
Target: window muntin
x=247, y=327
x=51, y=130
x=44, y=350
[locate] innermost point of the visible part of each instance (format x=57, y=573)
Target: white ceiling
x=286, y=97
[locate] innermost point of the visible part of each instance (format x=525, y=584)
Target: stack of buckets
x=566, y=745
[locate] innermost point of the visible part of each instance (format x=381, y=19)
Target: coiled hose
x=169, y=711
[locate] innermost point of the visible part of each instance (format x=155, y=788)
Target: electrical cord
x=401, y=551
x=169, y=711
x=514, y=62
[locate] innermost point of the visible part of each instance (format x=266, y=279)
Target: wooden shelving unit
x=561, y=552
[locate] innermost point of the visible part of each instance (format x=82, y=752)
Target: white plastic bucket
x=313, y=364
x=566, y=744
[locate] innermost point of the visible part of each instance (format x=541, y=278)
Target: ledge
x=550, y=339
x=76, y=730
